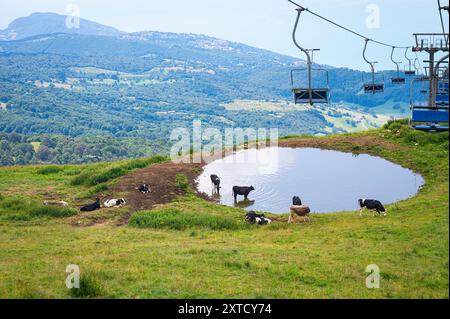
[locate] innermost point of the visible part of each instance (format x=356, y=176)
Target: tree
x=44, y=154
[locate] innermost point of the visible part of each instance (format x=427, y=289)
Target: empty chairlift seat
x=302, y=96
x=373, y=88
x=398, y=80
x=313, y=95
x=409, y=71
x=310, y=93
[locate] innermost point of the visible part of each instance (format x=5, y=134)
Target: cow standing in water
x=243, y=191
x=215, y=180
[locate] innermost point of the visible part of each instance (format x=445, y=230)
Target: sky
x=265, y=24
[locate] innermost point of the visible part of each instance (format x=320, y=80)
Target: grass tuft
x=182, y=182
x=49, y=170
x=22, y=209
x=172, y=218
x=89, y=288
x=51, y=211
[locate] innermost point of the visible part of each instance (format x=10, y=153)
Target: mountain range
x=98, y=81
x=48, y=23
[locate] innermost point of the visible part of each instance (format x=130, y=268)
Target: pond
x=327, y=181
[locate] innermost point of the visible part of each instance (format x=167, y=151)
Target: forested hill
x=99, y=81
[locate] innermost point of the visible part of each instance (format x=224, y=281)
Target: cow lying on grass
x=373, y=205
x=242, y=191
x=114, y=203
x=254, y=218
x=91, y=207
x=144, y=188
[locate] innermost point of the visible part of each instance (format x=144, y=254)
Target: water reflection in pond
x=328, y=181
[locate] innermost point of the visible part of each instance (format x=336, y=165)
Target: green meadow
x=192, y=248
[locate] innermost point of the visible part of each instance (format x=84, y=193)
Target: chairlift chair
x=309, y=94
x=442, y=94
x=409, y=71
x=397, y=79
x=442, y=73
x=426, y=119
x=372, y=87
x=313, y=96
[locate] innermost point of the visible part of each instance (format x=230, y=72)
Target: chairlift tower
x=432, y=43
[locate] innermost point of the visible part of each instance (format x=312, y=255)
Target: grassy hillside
x=191, y=248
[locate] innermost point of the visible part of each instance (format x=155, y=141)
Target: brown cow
x=301, y=211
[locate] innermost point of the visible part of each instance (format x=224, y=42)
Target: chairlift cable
x=345, y=28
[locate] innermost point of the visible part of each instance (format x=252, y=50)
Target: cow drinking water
x=242, y=191
x=215, y=180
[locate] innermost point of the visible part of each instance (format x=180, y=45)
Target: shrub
x=393, y=125
x=171, y=218
x=396, y=124
x=13, y=204
x=106, y=176
x=48, y=170
x=80, y=179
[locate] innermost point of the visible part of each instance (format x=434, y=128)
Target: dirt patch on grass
x=161, y=179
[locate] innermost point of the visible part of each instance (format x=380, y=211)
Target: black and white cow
x=254, y=218
x=372, y=204
x=114, y=203
x=144, y=188
x=215, y=180
x=242, y=191
x=91, y=207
